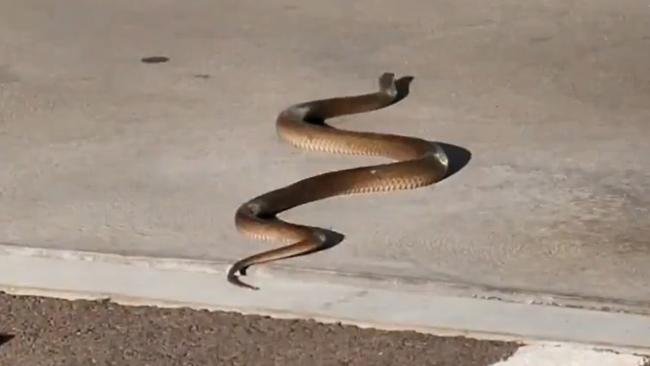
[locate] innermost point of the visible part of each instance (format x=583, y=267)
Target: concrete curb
x=170, y=282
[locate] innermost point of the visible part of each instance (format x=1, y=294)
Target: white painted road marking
x=567, y=355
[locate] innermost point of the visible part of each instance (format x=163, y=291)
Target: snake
x=415, y=163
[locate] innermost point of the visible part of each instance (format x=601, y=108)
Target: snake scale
x=416, y=163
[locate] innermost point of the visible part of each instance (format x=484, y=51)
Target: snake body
x=417, y=163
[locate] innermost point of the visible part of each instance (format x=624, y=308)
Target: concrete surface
x=173, y=283
x=101, y=152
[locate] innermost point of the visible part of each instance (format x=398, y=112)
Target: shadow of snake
x=4, y=338
x=417, y=163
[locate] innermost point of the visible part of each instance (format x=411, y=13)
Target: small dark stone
x=154, y=59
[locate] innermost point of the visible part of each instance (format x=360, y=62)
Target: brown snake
x=417, y=163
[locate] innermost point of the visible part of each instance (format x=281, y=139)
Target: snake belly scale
x=416, y=163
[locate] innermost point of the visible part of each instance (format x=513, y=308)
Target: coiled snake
x=418, y=163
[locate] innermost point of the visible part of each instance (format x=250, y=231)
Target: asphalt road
x=45, y=331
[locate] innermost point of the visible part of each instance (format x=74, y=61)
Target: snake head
x=387, y=84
